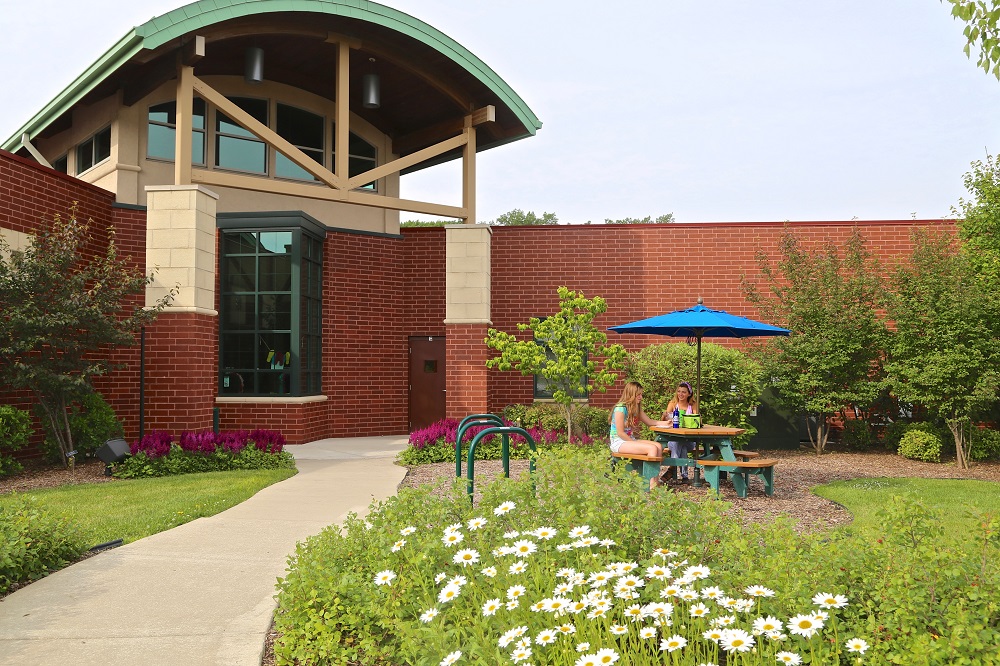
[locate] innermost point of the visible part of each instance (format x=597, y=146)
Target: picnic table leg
x=712, y=477
x=768, y=474
x=741, y=482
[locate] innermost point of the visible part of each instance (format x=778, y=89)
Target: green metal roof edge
x=188, y=18
x=112, y=59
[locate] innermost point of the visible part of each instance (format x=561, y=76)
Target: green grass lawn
x=956, y=498
x=137, y=508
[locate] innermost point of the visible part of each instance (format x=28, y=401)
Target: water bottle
x=677, y=418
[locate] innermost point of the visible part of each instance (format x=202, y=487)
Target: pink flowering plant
x=160, y=454
x=579, y=566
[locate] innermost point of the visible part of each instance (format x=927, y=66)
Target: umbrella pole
x=697, y=385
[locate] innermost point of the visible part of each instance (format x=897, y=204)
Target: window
x=162, y=131
x=361, y=156
x=60, y=164
x=270, y=315
x=237, y=148
x=94, y=150
x=303, y=130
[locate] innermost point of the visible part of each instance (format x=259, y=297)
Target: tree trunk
x=818, y=440
x=958, y=432
x=55, y=410
x=569, y=423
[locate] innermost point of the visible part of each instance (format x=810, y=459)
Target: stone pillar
x=467, y=317
x=182, y=345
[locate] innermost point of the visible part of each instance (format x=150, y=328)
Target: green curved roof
x=188, y=18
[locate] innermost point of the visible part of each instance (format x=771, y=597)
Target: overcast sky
x=721, y=110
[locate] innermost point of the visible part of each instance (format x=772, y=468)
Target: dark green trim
x=128, y=206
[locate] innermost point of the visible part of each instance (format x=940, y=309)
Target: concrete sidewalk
x=203, y=592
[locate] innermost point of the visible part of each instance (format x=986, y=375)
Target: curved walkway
x=203, y=592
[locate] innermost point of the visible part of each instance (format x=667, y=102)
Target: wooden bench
x=646, y=466
x=740, y=470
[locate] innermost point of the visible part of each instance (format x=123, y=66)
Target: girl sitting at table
x=625, y=416
x=683, y=401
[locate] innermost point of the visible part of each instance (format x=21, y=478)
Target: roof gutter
x=112, y=59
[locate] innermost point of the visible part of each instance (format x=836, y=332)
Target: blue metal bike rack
x=465, y=424
x=505, y=433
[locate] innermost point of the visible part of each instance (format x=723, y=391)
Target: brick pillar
x=467, y=317
x=182, y=347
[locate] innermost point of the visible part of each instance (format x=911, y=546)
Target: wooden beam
x=265, y=134
x=469, y=176
x=340, y=138
x=257, y=184
x=193, y=51
x=184, y=125
x=398, y=165
x=408, y=142
x=337, y=38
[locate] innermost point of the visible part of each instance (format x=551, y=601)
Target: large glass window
x=94, y=150
x=361, y=156
x=303, y=130
x=162, y=131
x=270, y=312
x=237, y=148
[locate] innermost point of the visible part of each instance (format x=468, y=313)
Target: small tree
x=833, y=358
x=68, y=300
x=562, y=351
x=945, y=350
x=979, y=221
x=520, y=218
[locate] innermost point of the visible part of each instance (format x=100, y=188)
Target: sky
x=713, y=110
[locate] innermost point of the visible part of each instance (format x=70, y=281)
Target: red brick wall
x=423, y=265
x=645, y=270
x=465, y=368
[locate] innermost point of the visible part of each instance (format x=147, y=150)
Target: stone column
x=182, y=345
x=467, y=317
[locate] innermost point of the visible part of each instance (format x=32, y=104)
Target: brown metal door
x=427, y=381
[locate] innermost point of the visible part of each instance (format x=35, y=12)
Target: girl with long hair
x=625, y=416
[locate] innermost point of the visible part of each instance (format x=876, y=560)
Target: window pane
x=163, y=113
x=161, y=141
x=273, y=351
x=275, y=275
x=286, y=168
x=276, y=312
x=240, y=273
x=60, y=164
x=359, y=165
x=239, y=312
x=197, y=147
x=257, y=108
x=102, y=145
x=239, y=243
x=358, y=146
x=299, y=127
x=238, y=350
x=276, y=242
x=85, y=156
x=240, y=154
x=198, y=119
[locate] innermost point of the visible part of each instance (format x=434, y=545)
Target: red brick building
x=252, y=155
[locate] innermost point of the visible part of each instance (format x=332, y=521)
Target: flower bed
x=158, y=454
x=436, y=443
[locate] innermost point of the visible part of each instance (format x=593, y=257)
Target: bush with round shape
x=920, y=445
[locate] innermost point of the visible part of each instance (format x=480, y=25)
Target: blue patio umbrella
x=700, y=322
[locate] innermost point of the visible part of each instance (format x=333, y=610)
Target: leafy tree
x=945, y=350
x=833, y=358
x=519, y=218
x=980, y=17
x=563, y=350
x=68, y=300
x=979, y=221
x=661, y=219
x=427, y=223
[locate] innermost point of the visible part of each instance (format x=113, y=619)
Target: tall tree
x=979, y=221
x=66, y=301
x=945, y=350
x=980, y=17
x=833, y=358
x=519, y=218
x=563, y=350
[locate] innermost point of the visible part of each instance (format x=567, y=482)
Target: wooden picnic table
x=717, y=450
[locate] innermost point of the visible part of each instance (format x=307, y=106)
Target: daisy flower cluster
x=561, y=596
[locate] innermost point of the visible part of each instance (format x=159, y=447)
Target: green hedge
x=15, y=429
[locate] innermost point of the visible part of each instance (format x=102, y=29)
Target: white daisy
x=524, y=548
x=515, y=591
x=647, y=632
x=428, y=615
x=491, y=607
x=764, y=625
x=506, y=507
x=804, y=625
x=476, y=523
x=736, y=640
x=699, y=610
x=582, y=647
x=606, y=656
x=511, y=535
x=546, y=636
x=452, y=538
x=673, y=643
x=520, y=654
x=759, y=591
x=697, y=572
x=826, y=600
x=466, y=557
x=398, y=546
x=618, y=629
x=449, y=592
x=517, y=567
x=407, y=531
x=544, y=533
x=490, y=572
x=384, y=577
x=581, y=531
x=451, y=658
x=856, y=645
x=788, y=658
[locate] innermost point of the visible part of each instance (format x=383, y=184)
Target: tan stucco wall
x=468, y=294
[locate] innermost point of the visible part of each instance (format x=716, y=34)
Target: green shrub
x=15, y=429
x=179, y=461
x=730, y=382
x=985, y=444
x=920, y=445
x=371, y=591
x=92, y=423
x=33, y=542
x=858, y=436
x=593, y=421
